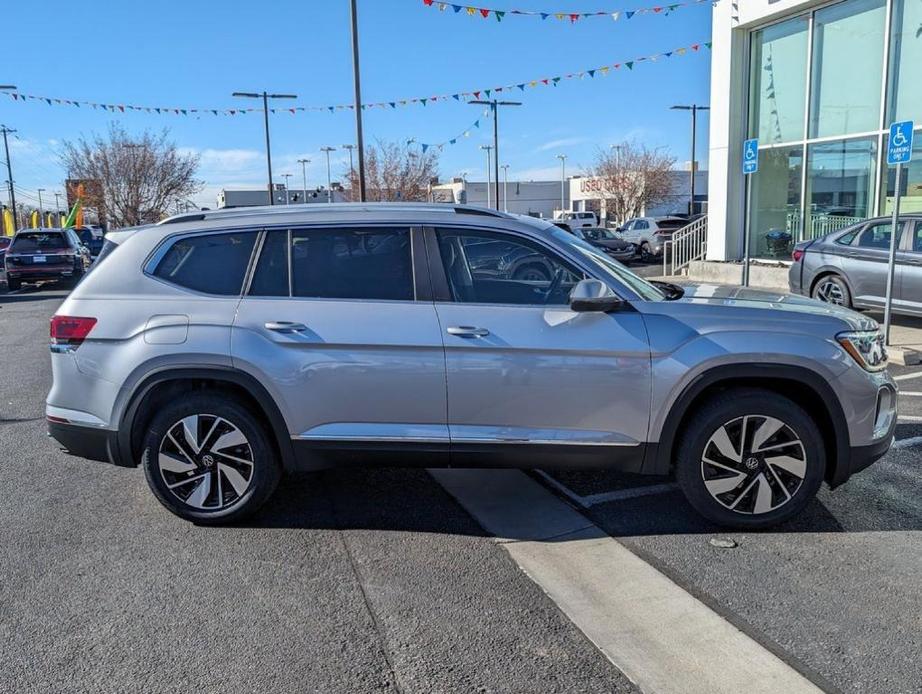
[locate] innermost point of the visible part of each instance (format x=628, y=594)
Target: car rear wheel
x=833, y=290
x=750, y=458
x=209, y=460
x=646, y=255
x=13, y=284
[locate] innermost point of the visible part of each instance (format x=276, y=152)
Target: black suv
x=45, y=254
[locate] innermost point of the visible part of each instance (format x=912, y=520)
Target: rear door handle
x=467, y=331
x=285, y=326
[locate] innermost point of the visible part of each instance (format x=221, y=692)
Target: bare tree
x=139, y=179
x=631, y=177
x=395, y=172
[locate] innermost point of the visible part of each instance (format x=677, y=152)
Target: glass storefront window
x=840, y=184
x=905, y=97
x=848, y=41
x=774, y=223
x=910, y=185
x=778, y=81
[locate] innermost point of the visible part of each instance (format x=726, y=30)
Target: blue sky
x=194, y=54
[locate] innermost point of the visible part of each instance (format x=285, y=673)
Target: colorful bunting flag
x=423, y=101
x=573, y=17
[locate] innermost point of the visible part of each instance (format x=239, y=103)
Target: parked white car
x=649, y=234
x=576, y=220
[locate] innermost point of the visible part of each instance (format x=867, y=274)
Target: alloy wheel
x=830, y=292
x=206, y=462
x=753, y=464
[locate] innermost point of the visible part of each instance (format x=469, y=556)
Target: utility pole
x=265, y=96
x=287, y=196
x=505, y=168
x=494, y=109
x=488, y=149
x=359, y=136
x=304, y=163
x=329, y=180
x=41, y=208
x=694, y=108
x=563, y=180
x=9, y=169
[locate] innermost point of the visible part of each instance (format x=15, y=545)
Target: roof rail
x=479, y=211
x=179, y=219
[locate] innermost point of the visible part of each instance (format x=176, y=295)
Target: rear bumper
x=39, y=273
x=86, y=442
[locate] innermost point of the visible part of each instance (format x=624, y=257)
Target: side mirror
x=594, y=295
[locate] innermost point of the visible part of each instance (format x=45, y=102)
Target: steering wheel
x=556, y=281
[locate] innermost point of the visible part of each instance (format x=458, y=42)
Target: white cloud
x=562, y=142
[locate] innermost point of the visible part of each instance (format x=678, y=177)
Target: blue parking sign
x=899, y=146
x=751, y=156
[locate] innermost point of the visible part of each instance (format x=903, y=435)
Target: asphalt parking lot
x=376, y=580
x=353, y=581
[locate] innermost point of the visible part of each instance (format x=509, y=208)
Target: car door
x=526, y=373
x=908, y=292
x=865, y=264
x=338, y=323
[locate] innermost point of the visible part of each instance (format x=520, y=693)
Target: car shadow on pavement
x=396, y=499
x=409, y=500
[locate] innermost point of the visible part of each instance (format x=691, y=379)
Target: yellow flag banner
x=9, y=226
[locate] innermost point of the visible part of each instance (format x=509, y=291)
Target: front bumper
x=856, y=458
x=85, y=442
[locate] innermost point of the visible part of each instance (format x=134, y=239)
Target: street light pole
x=265, y=96
x=563, y=179
x=329, y=180
x=359, y=136
x=694, y=108
x=505, y=190
x=287, y=197
x=488, y=149
x=9, y=169
x=304, y=163
x=351, y=168
x=494, y=109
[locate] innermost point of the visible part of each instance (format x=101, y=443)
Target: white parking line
x=911, y=393
x=906, y=377
x=909, y=418
x=911, y=442
x=606, y=497
x=661, y=637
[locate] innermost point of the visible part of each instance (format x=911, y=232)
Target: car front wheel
x=209, y=460
x=750, y=459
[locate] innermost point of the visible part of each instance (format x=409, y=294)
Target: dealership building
x=818, y=83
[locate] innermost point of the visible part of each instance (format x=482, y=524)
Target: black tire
x=732, y=411
x=224, y=414
x=832, y=289
x=13, y=284
x=646, y=255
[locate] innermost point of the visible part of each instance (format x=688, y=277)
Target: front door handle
x=285, y=326
x=467, y=331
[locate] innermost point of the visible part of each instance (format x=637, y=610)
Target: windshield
x=640, y=286
x=598, y=234
x=38, y=241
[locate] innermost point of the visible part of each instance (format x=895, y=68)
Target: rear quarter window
x=212, y=263
x=35, y=242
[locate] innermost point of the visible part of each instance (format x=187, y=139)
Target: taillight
x=70, y=330
x=797, y=254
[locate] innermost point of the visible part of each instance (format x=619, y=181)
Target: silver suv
x=219, y=350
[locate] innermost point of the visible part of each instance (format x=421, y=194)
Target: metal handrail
x=688, y=244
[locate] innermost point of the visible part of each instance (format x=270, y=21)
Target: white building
x=818, y=82
x=584, y=192
x=535, y=198
x=293, y=196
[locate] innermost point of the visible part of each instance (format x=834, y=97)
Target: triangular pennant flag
x=484, y=12
x=499, y=15
x=630, y=64
x=629, y=14
x=591, y=73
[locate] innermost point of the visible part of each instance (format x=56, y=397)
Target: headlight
x=866, y=347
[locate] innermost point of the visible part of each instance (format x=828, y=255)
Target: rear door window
x=352, y=263
x=209, y=263
x=270, y=278
x=37, y=242
x=875, y=235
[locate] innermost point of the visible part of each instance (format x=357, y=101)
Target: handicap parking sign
x=899, y=147
x=750, y=156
